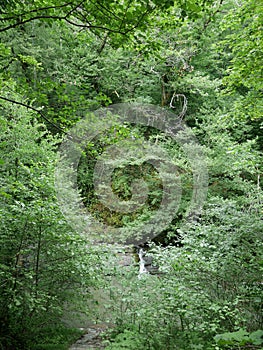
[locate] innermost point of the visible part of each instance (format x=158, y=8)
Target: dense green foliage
x=203, y=61
x=41, y=258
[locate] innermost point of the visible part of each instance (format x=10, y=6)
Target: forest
x=131, y=139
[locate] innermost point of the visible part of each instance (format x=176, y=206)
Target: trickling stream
x=91, y=338
x=142, y=269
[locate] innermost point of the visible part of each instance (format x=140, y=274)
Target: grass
x=56, y=338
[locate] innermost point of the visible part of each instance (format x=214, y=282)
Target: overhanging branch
x=71, y=12
x=35, y=110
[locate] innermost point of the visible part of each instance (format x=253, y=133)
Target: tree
x=243, y=27
x=43, y=262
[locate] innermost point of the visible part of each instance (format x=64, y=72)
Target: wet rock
x=126, y=259
x=148, y=260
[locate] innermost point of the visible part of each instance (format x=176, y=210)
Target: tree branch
x=74, y=8
x=35, y=110
x=125, y=13
x=19, y=21
x=36, y=10
x=212, y=15
x=97, y=3
x=29, y=20
x=91, y=26
x=80, y=25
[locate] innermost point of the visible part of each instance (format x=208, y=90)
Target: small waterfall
x=142, y=262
